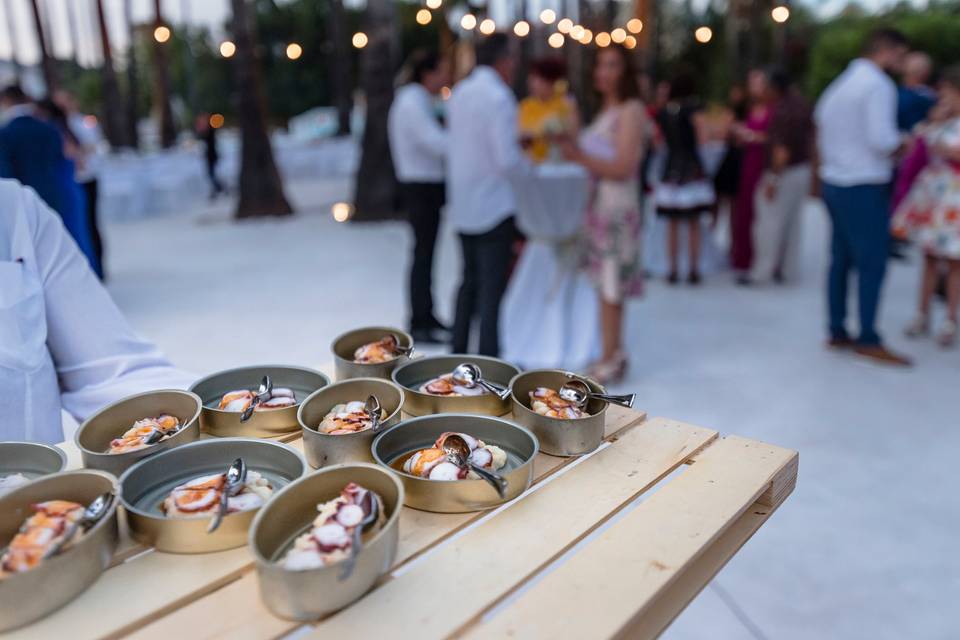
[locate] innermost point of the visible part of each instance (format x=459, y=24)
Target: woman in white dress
x=611, y=149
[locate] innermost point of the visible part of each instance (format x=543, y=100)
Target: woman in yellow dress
x=549, y=111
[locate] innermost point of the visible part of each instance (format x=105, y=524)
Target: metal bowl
x=346, y=344
x=146, y=484
x=323, y=449
x=31, y=459
x=310, y=594
x=94, y=435
x=31, y=595
x=558, y=437
x=392, y=447
x=263, y=424
x=416, y=372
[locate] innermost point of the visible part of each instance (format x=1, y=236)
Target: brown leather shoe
x=839, y=343
x=881, y=354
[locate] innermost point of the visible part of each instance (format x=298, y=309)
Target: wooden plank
x=652, y=547
x=419, y=532
x=498, y=552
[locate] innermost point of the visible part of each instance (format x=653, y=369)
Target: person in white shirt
x=857, y=137
x=63, y=342
x=418, y=145
x=484, y=153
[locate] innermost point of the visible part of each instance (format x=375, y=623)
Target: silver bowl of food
x=402, y=448
x=375, y=359
x=226, y=388
x=55, y=581
x=170, y=498
x=121, y=434
x=436, y=372
x=21, y=462
x=297, y=580
x=579, y=432
x=336, y=429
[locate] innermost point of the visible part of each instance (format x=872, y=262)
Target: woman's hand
x=570, y=149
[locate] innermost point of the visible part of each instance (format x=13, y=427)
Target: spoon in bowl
x=371, y=506
x=263, y=394
x=458, y=453
x=579, y=393
x=397, y=348
x=469, y=375
x=372, y=409
x=236, y=476
x=91, y=515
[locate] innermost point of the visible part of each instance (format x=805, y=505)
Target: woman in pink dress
x=752, y=137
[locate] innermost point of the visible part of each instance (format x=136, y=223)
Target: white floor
x=863, y=549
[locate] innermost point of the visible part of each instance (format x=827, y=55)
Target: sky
x=211, y=13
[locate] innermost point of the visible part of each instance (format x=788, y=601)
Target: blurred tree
x=46, y=60
x=110, y=113
x=133, y=113
x=261, y=190
x=340, y=74
x=161, y=83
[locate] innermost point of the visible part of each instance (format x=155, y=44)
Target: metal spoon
x=579, y=393
x=397, y=348
x=370, y=505
x=236, y=477
x=458, y=452
x=263, y=394
x=372, y=409
x=91, y=515
x=469, y=375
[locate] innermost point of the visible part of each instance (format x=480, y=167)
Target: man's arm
x=507, y=153
x=880, y=113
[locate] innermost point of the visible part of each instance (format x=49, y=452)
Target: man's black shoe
x=430, y=336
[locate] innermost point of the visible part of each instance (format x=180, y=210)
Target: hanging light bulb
x=703, y=34
x=780, y=14
x=618, y=35
x=630, y=42
x=227, y=49
x=434, y=4
x=161, y=34
x=565, y=25
x=522, y=29
x=468, y=21
x=360, y=40
x=294, y=51
x=634, y=25
x=603, y=39
x=576, y=32
x=488, y=26
x=424, y=16
x=587, y=37
x=555, y=40
x=548, y=16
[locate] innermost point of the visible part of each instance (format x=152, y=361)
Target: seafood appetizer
x=52, y=528
x=547, y=402
x=201, y=496
x=240, y=400
x=445, y=386
x=144, y=433
x=331, y=535
x=347, y=418
x=432, y=463
x=383, y=350
x=11, y=481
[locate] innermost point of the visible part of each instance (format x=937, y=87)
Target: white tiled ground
x=861, y=550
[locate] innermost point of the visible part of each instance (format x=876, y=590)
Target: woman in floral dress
x=931, y=211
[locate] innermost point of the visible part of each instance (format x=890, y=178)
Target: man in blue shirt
x=915, y=97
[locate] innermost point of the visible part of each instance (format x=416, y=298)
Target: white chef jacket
x=63, y=342
x=418, y=143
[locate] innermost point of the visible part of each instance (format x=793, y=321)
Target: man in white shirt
x=484, y=152
x=418, y=145
x=63, y=342
x=857, y=137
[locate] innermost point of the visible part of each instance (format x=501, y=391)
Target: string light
x=555, y=40
x=630, y=42
x=603, y=39
x=548, y=16
x=634, y=25
x=565, y=25
x=488, y=26
x=294, y=51
x=360, y=40
x=521, y=29
x=434, y=4
x=780, y=14
x=618, y=35
x=216, y=120
x=227, y=49
x=468, y=21
x=576, y=32
x=424, y=16
x=587, y=37
x=341, y=211
x=161, y=34
x=703, y=35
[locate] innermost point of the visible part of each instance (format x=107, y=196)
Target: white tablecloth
x=549, y=313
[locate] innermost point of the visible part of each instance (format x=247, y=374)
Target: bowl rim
x=438, y=416
x=218, y=411
x=60, y=453
x=400, y=332
x=518, y=402
x=467, y=357
x=397, y=412
x=199, y=443
x=139, y=452
x=391, y=519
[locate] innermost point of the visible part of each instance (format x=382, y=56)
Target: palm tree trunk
x=46, y=60
x=133, y=86
x=111, y=114
x=340, y=68
x=261, y=189
x=376, y=183
x=161, y=83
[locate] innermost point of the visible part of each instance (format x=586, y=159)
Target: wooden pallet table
x=613, y=544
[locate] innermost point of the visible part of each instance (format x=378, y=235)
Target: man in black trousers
x=484, y=156
x=418, y=145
